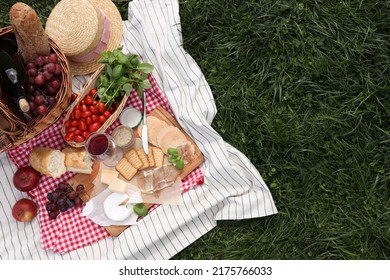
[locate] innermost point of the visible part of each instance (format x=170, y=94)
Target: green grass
x=302, y=89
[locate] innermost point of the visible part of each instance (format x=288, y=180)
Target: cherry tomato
x=101, y=107
x=84, y=108
x=95, y=118
x=70, y=129
x=94, y=126
x=85, y=134
x=69, y=136
x=77, y=114
x=88, y=120
x=71, y=116
x=92, y=92
x=79, y=138
x=102, y=119
x=82, y=102
x=107, y=114
x=88, y=100
x=77, y=107
x=93, y=109
x=86, y=114
x=74, y=123
x=67, y=123
x=82, y=125
x=78, y=132
x=74, y=96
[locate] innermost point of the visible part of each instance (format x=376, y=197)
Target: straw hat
x=84, y=28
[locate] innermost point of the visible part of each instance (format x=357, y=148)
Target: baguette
x=30, y=36
x=48, y=161
x=77, y=160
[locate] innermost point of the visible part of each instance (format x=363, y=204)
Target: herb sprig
x=175, y=158
x=122, y=73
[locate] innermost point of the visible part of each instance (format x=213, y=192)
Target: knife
x=144, y=135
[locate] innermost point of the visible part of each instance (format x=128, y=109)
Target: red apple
x=26, y=178
x=24, y=210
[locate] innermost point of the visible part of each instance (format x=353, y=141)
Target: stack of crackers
x=136, y=159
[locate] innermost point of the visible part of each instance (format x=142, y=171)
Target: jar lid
x=131, y=117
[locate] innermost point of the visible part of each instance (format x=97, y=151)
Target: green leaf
x=179, y=164
x=108, y=70
x=140, y=209
x=117, y=72
x=127, y=87
x=145, y=68
x=172, y=160
x=173, y=152
x=145, y=84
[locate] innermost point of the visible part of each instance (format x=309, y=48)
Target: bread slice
x=48, y=161
x=77, y=160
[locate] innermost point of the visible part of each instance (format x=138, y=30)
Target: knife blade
x=144, y=135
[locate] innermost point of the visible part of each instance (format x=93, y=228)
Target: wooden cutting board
x=87, y=179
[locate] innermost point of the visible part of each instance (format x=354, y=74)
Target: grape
x=40, y=60
x=39, y=80
x=58, y=70
x=31, y=65
x=72, y=195
x=80, y=188
x=32, y=72
x=41, y=109
x=53, y=58
x=70, y=203
x=31, y=104
x=52, y=100
x=61, y=199
x=62, y=186
x=48, y=75
x=55, y=84
x=53, y=214
x=50, y=90
x=50, y=67
x=39, y=100
x=78, y=202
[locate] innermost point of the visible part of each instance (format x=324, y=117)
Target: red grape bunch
x=44, y=80
x=62, y=198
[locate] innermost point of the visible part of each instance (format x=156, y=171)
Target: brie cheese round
x=115, y=207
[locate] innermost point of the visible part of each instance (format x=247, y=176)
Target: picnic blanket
x=232, y=189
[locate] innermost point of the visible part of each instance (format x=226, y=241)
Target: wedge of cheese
x=108, y=175
x=118, y=185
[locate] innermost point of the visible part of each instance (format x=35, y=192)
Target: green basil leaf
x=145, y=84
x=145, y=68
x=127, y=87
x=117, y=72
x=173, y=152
x=179, y=164
x=108, y=70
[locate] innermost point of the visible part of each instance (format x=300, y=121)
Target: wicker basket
x=20, y=131
x=84, y=92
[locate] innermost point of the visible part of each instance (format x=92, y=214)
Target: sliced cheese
x=117, y=185
x=108, y=175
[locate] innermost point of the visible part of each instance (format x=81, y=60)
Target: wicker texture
x=22, y=131
x=83, y=93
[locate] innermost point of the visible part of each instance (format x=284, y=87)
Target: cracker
x=134, y=159
x=151, y=160
x=143, y=157
x=158, y=155
x=125, y=168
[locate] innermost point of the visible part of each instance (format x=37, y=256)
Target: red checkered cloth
x=70, y=230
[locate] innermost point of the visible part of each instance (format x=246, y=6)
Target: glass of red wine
x=100, y=146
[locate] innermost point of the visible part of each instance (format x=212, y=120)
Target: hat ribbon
x=102, y=45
